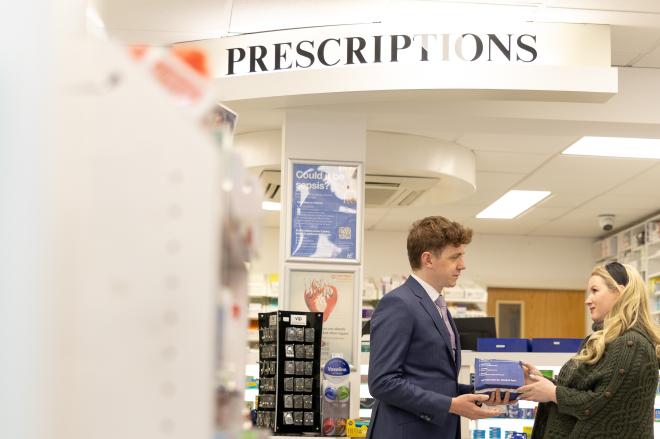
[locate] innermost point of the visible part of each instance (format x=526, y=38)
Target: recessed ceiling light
x=630, y=147
x=512, y=204
x=270, y=205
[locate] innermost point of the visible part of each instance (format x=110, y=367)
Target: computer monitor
x=472, y=328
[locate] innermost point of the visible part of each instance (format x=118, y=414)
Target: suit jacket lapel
x=432, y=311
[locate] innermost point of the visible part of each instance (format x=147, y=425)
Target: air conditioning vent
x=270, y=181
x=410, y=198
x=394, y=190
x=379, y=190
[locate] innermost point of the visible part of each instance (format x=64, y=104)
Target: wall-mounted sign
x=334, y=291
x=373, y=49
x=557, y=44
x=325, y=211
x=570, y=61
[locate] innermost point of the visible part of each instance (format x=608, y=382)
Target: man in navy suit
x=415, y=350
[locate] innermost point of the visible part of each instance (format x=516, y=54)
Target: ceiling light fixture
x=512, y=204
x=628, y=147
x=271, y=205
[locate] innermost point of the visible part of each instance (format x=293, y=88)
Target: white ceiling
x=517, y=144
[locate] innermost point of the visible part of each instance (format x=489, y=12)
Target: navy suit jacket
x=412, y=372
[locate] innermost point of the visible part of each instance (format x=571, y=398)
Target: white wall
x=492, y=260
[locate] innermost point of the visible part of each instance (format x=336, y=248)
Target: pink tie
x=442, y=307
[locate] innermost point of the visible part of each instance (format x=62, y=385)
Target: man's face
x=445, y=267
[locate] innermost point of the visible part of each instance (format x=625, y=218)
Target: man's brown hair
x=432, y=234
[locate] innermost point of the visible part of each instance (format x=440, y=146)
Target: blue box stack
x=571, y=345
x=503, y=345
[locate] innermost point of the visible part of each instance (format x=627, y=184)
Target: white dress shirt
x=432, y=292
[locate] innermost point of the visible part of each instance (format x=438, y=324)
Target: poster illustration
x=324, y=211
x=333, y=294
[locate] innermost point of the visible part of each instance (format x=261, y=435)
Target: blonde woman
x=608, y=389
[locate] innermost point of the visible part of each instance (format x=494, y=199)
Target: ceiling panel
x=509, y=161
x=518, y=226
x=646, y=184
x=583, y=175
x=567, y=199
x=543, y=212
x=490, y=186
x=579, y=224
x=623, y=58
x=634, y=39
x=651, y=59
x=612, y=203
x=516, y=143
x=568, y=229
x=402, y=218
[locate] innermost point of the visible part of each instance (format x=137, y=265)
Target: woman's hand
x=529, y=369
x=541, y=390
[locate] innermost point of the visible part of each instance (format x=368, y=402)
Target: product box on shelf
x=476, y=294
x=454, y=293
x=503, y=345
x=357, y=427
x=556, y=344
x=653, y=232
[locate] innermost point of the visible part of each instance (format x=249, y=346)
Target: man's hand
x=542, y=390
x=496, y=398
x=466, y=406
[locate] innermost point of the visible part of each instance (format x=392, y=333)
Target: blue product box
x=515, y=412
x=571, y=345
x=503, y=344
x=491, y=375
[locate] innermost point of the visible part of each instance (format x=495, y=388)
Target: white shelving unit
x=263, y=291
x=466, y=299
x=542, y=360
x=638, y=246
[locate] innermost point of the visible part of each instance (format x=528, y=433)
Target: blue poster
x=324, y=211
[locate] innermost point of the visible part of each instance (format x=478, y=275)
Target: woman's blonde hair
x=631, y=308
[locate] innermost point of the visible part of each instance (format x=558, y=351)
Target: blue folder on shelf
x=491, y=375
x=503, y=345
x=571, y=345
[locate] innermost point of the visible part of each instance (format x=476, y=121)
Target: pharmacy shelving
x=552, y=361
x=542, y=360
x=638, y=246
x=466, y=299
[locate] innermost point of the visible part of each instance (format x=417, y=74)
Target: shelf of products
x=466, y=299
x=638, y=246
x=523, y=413
x=263, y=291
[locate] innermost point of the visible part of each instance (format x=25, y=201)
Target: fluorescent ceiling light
x=270, y=205
x=630, y=147
x=512, y=204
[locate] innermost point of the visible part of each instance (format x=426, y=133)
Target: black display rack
x=289, y=372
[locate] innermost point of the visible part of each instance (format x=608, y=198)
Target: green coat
x=613, y=398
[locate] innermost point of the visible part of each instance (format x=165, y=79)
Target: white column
x=25, y=303
x=324, y=136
